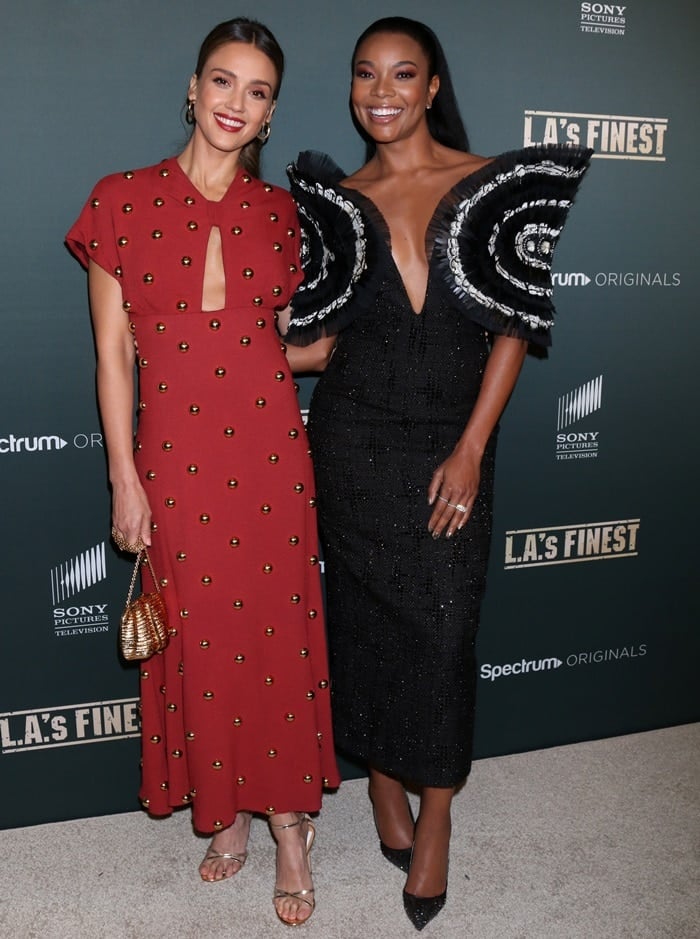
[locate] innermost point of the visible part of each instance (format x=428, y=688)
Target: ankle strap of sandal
x=291, y=824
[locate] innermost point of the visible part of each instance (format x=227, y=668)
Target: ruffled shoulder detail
x=340, y=250
x=495, y=233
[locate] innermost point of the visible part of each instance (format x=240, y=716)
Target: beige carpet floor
x=592, y=841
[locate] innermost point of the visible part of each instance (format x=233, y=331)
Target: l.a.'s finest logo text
x=571, y=544
x=612, y=136
x=606, y=18
x=68, y=725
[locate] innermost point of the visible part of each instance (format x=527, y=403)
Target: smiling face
x=233, y=96
x=391, y=87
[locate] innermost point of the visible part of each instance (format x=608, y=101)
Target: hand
x=131, y=515
x=452, y=492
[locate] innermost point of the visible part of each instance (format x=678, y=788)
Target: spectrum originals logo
x=618, y=279
x=47, y=443
x=490, y=672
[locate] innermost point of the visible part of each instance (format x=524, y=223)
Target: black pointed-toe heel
x=420, y=910
x=399, y=857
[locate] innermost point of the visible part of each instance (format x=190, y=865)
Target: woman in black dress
x=427, y=272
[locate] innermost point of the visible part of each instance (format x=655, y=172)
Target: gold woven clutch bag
x=144, y=624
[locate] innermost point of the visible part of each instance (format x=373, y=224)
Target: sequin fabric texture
x=403, y=608
x=235, y=712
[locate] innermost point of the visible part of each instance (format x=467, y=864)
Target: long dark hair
x=444, y=120
x=241, y=29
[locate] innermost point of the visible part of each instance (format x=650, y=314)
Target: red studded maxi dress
x=235, y=713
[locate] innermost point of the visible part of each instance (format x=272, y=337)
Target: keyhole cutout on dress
x=214, y=283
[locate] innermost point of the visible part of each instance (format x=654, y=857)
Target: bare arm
x=131, y=514
x=457, y=479
x=312, y=358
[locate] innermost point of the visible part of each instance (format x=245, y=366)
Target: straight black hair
x=444, y=120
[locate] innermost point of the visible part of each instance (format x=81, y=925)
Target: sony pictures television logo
x=69, y=579
x=612, y=136
x=573, y=443
x=608, y=19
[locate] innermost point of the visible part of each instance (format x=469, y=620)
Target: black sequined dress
x=403, y=608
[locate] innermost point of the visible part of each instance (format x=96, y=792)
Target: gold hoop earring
x=189, y=113
x=264, y=132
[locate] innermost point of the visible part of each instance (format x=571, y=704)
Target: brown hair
x=242, y=29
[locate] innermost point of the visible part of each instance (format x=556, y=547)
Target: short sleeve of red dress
x=292, y=249
x=92, y=237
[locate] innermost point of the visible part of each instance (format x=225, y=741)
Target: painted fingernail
x=436, y=535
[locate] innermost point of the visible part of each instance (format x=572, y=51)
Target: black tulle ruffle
x=491, y=242
x=495, y=235
x=340, y=250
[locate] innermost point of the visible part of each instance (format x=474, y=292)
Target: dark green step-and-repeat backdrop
x=590, y=624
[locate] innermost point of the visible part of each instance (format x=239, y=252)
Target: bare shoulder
x=366, y=175
x=459, y=165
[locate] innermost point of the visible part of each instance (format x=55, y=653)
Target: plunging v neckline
x=377, y=217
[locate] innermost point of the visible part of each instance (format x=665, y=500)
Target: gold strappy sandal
x=305, y=896
x=215, y=856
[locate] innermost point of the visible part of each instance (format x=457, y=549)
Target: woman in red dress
x=188, y=262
